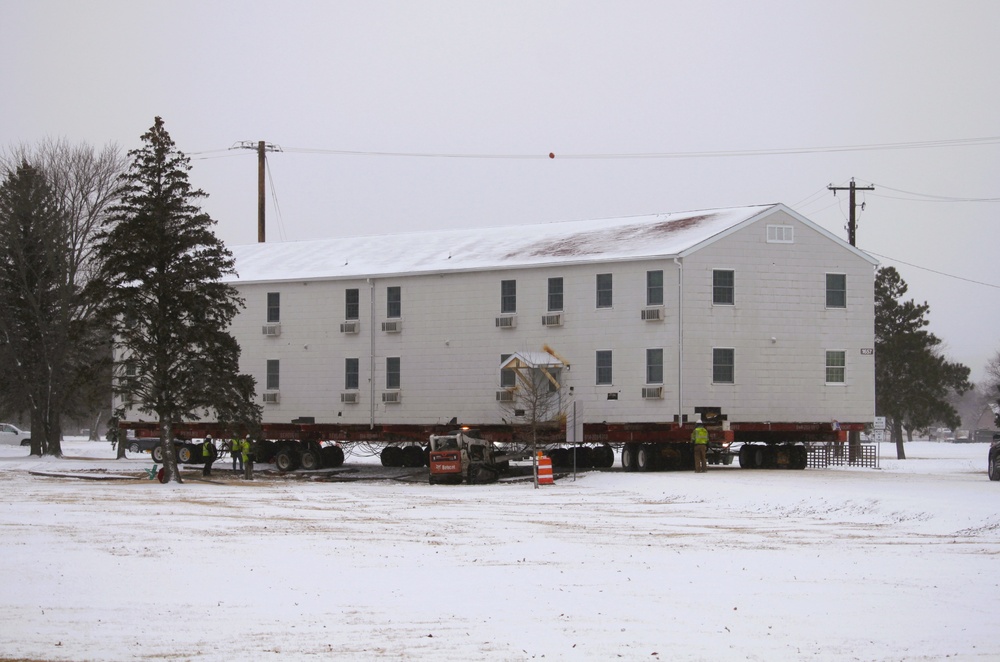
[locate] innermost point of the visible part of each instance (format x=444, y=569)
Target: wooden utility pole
x=261, y=148
x=852, y=224
x=853, y=438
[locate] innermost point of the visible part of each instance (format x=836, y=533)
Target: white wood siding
x=450, y=347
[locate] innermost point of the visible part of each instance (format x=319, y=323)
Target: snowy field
x=898, y=563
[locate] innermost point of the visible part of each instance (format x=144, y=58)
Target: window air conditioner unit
x=349, y=397
x=391, y=397
x=273, y=330
x=505, y=396
x=271, y=398
x=652, y=314
x=652, y=392
x=507, y=322
x=350, y=327
x=554, y=319
x=392, y=327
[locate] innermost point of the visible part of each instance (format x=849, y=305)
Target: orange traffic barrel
x=545, y=471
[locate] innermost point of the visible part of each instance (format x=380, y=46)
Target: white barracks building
x=755, y=311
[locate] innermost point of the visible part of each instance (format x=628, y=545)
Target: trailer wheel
x=746, y=456
x=391, y=456
x=309, y=459
x=604, y=457
x=134, y=448
x=286, y=459
x=333, y=456
x=644, y=458
x=158, y=453
x=800, y=457
x=628, y=456
x=184, y=453
x=413, y=456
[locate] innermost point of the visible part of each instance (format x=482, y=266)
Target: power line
x=933, y=271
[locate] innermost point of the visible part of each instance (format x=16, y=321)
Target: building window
x=392, y=372
x=654, y=366
x=723, y=287
x=780, y=234
x=351, y=373
x=604, y=299
x=352, y=305
x=723, y=365
x=836, y=290
x=555, y=294
x=654, y=288
x=836, y=367
x=556, y=380
x=273, y=372
x=393, y=302
x=604, y=367
x=508, y=296
x=273, y=307
x=508, y=377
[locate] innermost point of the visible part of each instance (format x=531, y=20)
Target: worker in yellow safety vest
x=236, y=448
x=700, y=440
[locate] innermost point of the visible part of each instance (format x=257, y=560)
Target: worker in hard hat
x=700, y=440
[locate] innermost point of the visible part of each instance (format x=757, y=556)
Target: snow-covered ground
x=899, y=563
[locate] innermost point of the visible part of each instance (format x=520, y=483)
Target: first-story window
x=836, y=367
x=351, y=373
x=654, y=288
x=352, y=304
x=555, y=294
x=508, y=378
x=273, y=307
x=508, y=296
x=654, y=366
x=273, y=372
x=392, y=372
x=604, y=367
x=394, y=302
x=723, y=365
x=604, y=299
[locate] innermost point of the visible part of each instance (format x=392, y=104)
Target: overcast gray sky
x=738, y=103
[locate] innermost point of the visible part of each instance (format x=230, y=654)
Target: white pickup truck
x=11, y=435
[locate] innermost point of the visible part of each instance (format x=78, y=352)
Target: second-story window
x=723, y=287
x=654, y=288
x=836, y=290
x=352, y=304
x=508, y=377
x=273, y=307
x=393, y=302
x=604, y=298
x=508, y=296
x=555, y=294
x=654, y=366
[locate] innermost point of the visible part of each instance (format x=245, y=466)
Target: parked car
x=993, y=464
x=142, y=444
x=11, y=435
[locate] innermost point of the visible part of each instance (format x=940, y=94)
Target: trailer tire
x=747, y=456
x=605, y=457
x=134, y=448
x=628, y=456
x=286, y=459
x=158, y=453
x=412, y=456
x=333, y=456
x=309, y=459
x=993, y=468
x=184, y=453
x=645, y=458
x=391, y=456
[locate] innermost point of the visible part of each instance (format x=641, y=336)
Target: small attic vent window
x=780, y=234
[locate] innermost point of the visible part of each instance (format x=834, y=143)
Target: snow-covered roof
x=634, y=237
